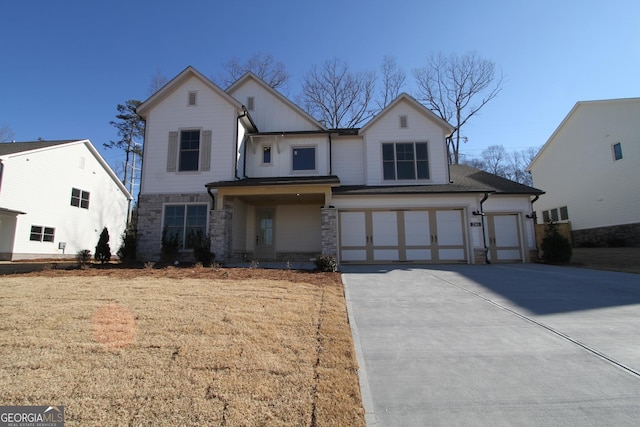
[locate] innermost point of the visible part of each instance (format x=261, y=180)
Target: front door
x=264, y=233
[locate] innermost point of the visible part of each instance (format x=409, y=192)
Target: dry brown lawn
x=180, y=347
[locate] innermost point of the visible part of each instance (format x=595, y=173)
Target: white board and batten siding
x=387, y=130
x=270, y=112
x=213, y=115
x=348, y=160
x=40, y=184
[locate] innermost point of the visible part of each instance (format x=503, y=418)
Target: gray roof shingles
x=19, y=147
x=465, y=179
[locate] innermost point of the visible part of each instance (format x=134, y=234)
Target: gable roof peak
x=178, y=80
x=405, y=97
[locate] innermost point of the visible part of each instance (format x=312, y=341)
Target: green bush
x=170, y=246
x=201, y=245
x=127, y=251
x=103, y=251
x=555, y=247
x=327, y=263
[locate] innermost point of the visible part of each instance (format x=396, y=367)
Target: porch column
x=221, y=227
x=329, y=230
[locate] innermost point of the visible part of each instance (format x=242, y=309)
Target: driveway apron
x=496, y=345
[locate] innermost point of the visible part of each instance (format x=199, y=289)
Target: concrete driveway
x=496, y=345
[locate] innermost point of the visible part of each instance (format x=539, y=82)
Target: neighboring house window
x=304, y=158
x=189, y=150
x=266, y=155
x=403, y=121
x=250, y=103
x=405, y=160
x=192, y=99
x=186, y=222
x=556, y=214
x=40, y=233
x=617, y=151
x=79, y=198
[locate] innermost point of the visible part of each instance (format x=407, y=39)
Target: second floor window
x=304, y=159
x=79, y=198
x=266, y=155
x=405, y=160
x=189, y=150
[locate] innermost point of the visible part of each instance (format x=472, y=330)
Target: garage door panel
x=451, y=254
x=418, y=254
x=385, y=228
x=386, y=255
x=506, y=227
x=417, y=228
x=354, y=255
x=449, y=224
x=353, y=229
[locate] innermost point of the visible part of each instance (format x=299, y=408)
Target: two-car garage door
x=426, y=235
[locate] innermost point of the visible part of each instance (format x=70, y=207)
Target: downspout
x=534, y=217
x=330, y=159
x=484, y=235
x=449, y=163
x=213, y=199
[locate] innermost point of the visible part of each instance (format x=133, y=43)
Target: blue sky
x=67, y=64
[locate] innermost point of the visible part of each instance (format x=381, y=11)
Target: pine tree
x=103, y=251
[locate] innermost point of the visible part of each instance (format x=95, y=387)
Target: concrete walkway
x=496, y=345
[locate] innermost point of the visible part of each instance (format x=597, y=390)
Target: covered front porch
x=273, y=219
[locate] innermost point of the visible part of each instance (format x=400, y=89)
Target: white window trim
x=305, y=171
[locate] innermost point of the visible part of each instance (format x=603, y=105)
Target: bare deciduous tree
x=6, y=133
x=495, y=158
x=511, y=165
x=336, y=96
x=157, y=81
x=456, y=88
x=264, y=66
x=393, y=79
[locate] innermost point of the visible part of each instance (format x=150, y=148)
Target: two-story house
x=55, y=199
x=267, y=181
x=591, y=168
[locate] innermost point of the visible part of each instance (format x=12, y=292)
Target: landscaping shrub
x=201, y=245
x=555, y=247
x=327, y=263
x=103, y=251
x=128, y=248
x=84, y=258
x=170, y=246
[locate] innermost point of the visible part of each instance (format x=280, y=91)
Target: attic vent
x=192, y=98
x=250, y=103
x=403, y=122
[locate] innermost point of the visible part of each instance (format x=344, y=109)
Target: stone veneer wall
x=220, y=230
x=479, y=256
x=150, y=207
x=329, y=231
x=625, y=235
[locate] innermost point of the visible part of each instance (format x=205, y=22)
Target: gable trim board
x=299, y=214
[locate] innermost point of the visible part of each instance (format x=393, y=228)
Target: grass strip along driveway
x=180, y=347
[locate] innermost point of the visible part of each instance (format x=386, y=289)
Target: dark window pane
x=189, y=150
x=389, y=170
x=304, y=158
x=545, y=216
x=48, y=234
x=36, y=233
x=404, y=152
x=387, y=152
x=421, y=151
x=564, y=213
x=406, y=170
x=266, y=155
x=617, y=151
x=422, y=169
x=554, y=214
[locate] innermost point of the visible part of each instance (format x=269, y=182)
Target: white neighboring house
x=590, y=168
x=264, y=180
x=55, y=199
